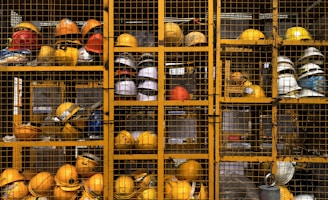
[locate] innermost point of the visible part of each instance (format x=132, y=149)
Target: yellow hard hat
x=67, y=178
x=66, y=27
x=173, y=35
x=66, y=56
x=170, y=181
x=254, y=91
x=10, y=175
x=195, y=38
x=189, y=170
x=70, y=133
x=147, y=140
x=46, y=55
x=124, y=140
x=41, y=184
x=60, y=194
x=15, y=190
x=126, y=40
x=251, y=34
x=148, y=194
x=297, y=33
x=181, y=190
x=124, y=186
x=88, y=26
x=27, y=26
x=285, y=194
x=240, y=78
x=26, y=132
x=66, y=110
x=94, y=185
x=87, y=164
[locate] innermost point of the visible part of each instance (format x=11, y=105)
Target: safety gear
x=68, y=43
x=173, y=35
x=46, y=56
x=125, y=88
x=148, y=194
x=146, y=60
x=67, y=56
x=94, y=186
x=10, y=175
x=87, y=164
x=309, y=69
x=84, y=56
x=179, y=93
x=60, y=194
x=195, y=38
x=147, y=140
x=170, y=181
x=66, y=110
x=67, y=178
x=144, y=180
x=88, y=26
x=316, y=83
x=147, y=91
x=190, y=170
x=41, y=184
x=284, y=59
x=240, y=78
x=95, y=43
x=297, y=33
x=304, y=197
x=285, y=172
x=148, y=72
x=70, y=133
x=66, y=27
x=125, y=60
x=284, y=68
x=15, y=190
x=124, y=186
x=254, y=91
x=24, y=40
x=251, y=34
x=126, y=40
x=287, y=83
x=285, y=194
x=311, y=52
x=309, y=93
x=26, y=132
x=124, y=140
x=184, y=191
x=27, y=26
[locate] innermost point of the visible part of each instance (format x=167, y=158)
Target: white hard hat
x=148, y=72
x=84, y=56
x=126, y=59
x=309, y=93
x=147, y=91
x=125, y=88
x=143, y=97
x=304, y=197
x=309, y=69
x=284, y=59
x=287, y=83
x=148, y=84
x=285, y=67
x=147, y=60
x=285, y=172
x=311, y=51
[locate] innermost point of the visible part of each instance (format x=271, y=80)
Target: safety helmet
x=285, y=194
x=147, y=140
x=240, y=78
x=287, y=83
x=125, y=60
x=309, y=93
x=147, y=91
x=285, y=172
x=66, y=27
x=309, y=69
x=24, y=40
x=84, y=56
x=310, y=52
x=195, y=38
x=251, y=34
x=27, y=26
x=284, y=68
x=126, y=40
x=67, y=178
x=46, y=55
x=67, y=56
x=144, y=97
x=69, y=132
x=124, y=186
x=87, y=164
x=125, y=88
x=26, y=131
x=147, y=60
x=124, y=140
x=148, y=72
x=181, y=190
x=10, y=175
x=304, y=197
x=95, y=43
x=60, y=194
x=284, y=59
x=41, y=184
x=149, y=193
x=88, y=26
x=15, y=190
x=68, y=43
x=254, y=91
x=66, y=110
x=190, y=170
x=179, y=93
x=170, y=181
x=297, y=33
x=144, y=180
x=173, y=35
x=94, y=185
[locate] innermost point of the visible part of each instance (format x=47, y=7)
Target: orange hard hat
x=88, y=26
x=66, y=27
x=95, y=43
x=179, y=93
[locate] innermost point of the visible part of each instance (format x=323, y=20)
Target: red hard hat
x=95, y=43
x=24, y=39
x=179, y=93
